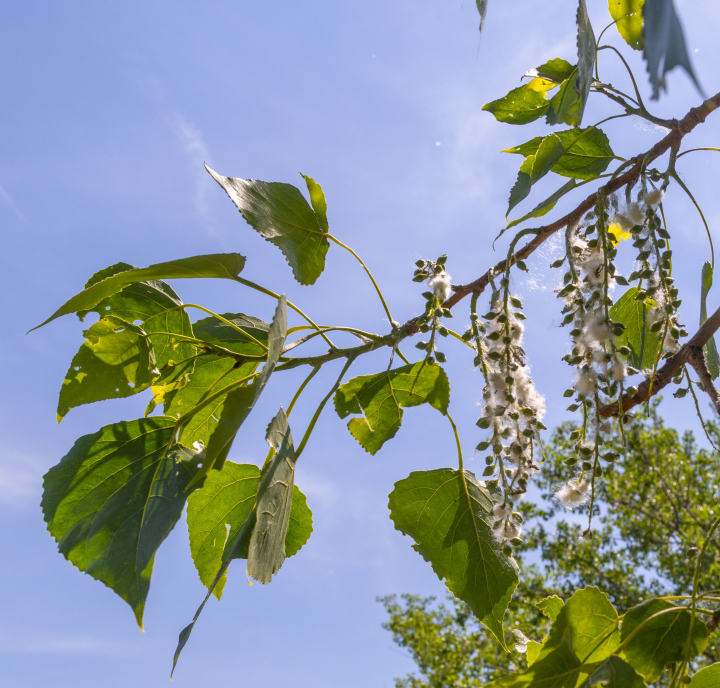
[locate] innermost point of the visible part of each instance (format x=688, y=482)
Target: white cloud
x=7, y=200
x=196, y=151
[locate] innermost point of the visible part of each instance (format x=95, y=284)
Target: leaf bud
x=516, y=541
x=587, y=466
x=569, y=392
x=442, y=259
x=424, y=328
x=428, y=295
x=421, y=345
x=680, y=393
x=557, y=263
x=521, y=266
x=438, y=269
x=430, y=360
x=483, y=423
x=573, y=407
x=571, y=461
x=467, y=335
x=491, y=484
x=420, y=263
x=440, y=356
x=489, y=470
x=598, y=471
x=489, y=460
x=443, y=331
x=419, y=278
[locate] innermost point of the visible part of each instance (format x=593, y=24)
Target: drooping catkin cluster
x=512, y=409
x=599, y=351
x=430, y=321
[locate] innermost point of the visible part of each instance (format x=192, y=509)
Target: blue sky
x=109, y=112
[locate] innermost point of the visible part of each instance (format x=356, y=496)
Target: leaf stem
x=457, y=443
x=263, y=290
x=699, y=209
x=369, y=274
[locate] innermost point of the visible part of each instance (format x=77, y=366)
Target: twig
x=696, y=358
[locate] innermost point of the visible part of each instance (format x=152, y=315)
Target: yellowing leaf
x=617, y=234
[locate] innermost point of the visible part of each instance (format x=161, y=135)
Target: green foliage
x=219, y=509
x=448, y=514
x=536, y=165
x=280, y=213
x=218, y=265
x=644, y=344
x=382, y=397
x=628, y=20
x=709, y=677
x=115, y=361
x=114, y=498
x=522, y=105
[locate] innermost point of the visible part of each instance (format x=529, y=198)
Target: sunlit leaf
x=711, y=352
x=628, y=20
x=644, y=344
x=154, y=305
x=115, y=361
x=220, y=507
x=660, y=641
x=707, y=677
x=280, y=213
x=550, y=606
x=587, y=152
x=114, y=498
x=543, y=207
x=535, y=167
x=522, y=105
x=220, y=265
x=382, y=397
x=584, y=633
x=556, y=70
x=616, y=233
x=664, y=47
x=215, y=331
x=448, y=515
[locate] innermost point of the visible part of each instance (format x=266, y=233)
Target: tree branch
x=687, y=353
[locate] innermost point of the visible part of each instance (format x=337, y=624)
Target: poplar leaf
x=482, y=9
x=522, y=105
x=239, y=402
x=154, y=305
x=535, y=167
x=628, y=20
x=662, y=640
x=664, y=44
x=382, y=397
x=221, y=506
x=543, y=207
x=218, y=333
x=282, y=216
x=644, y=344
x=550, y=606
x=116, y=361
x=449, y=514
x=707, y=677
x=114, y=498
x=614, y=673
x=220, y=265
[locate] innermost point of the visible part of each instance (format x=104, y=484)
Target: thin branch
x=696, y=358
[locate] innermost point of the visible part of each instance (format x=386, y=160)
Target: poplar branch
x=690, y=352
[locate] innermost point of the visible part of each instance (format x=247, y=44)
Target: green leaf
x=522, y=105
x=628, y=20
x=533, y=651
x=661, y=640
x=542, y=208
x=711, y=352
x=382, y=397
x=318, y=202
x=614, y=673
x=211, y=374
x=280, y=213
x=220, y=265
x=216, y=332
x=448, y=515
x=153, y=305
x=664, y=47
x=267, y=548
x=535, y=167
x=568, y=104
x=115, y=361
x=644, y=345
x=114, y=498
x=556, y=70
x=266, y=552
x=585, y=633
x=240, y=402
x=550, y=606
x=587, y=152
x=707, y=677
x=221, y=506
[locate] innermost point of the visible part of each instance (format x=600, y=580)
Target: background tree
x=655, y=508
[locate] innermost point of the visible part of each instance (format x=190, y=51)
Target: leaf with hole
x=219, y=265
x=219, y=509
x=282, y=216
x=114, y=498
x=628, y=18
x=383, y=396
x=116, y=361
x=449, y=514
